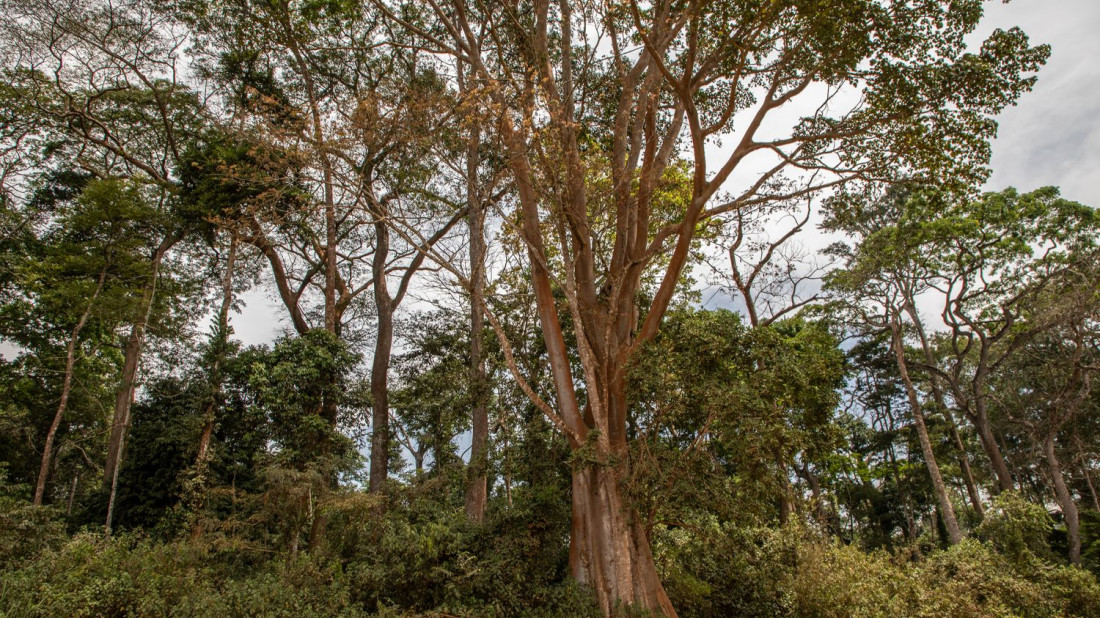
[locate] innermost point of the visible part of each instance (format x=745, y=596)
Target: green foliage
x=709, y=390
x=25, y=531
x=1018, y=528
x=726, y=571
x=126, y=576
x=298, y=380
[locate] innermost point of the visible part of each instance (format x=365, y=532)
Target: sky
x=1051, y=137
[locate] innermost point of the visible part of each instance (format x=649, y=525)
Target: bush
x=1017, y=528
x=25, y=530
x=91, y=576
x=724, y=570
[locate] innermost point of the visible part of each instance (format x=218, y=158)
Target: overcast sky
x=1051, y=137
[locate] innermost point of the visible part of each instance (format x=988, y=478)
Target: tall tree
x=1045, y=386
x=88, y=263
x=98, y=84
x=592, y=101
x=883, y=274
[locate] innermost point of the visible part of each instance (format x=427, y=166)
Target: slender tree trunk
x=72, y=495
x=125, y=397
x=1065, y=500
x=1083, y=461
x=786, y=498
x=992, y=449
x=815, y=490
x=132, y=361
x=947, y=510
x=221, y=337
x=477, y=484
x=379, y=378
x=937, y=396
x=903, y=495
x=1092, y=488
x=964, y=462
x=380, y=407
x=114, y=492
x=66, y=389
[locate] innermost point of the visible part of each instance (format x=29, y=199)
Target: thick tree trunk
x=609, y=550
x=1065, y=500
x=477, y=484
x=947, y=510
x=66, y=389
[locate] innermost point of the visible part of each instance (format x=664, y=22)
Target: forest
x=580, y=308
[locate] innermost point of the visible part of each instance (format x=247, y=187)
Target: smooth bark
x=941, y=401
x=609, y=550
x=379, y=375
x=1065, y=500
x=66, y=389
x=124, y=397
x=477, y=478
x=943, y=500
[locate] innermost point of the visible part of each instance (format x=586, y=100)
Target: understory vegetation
x=427, y=560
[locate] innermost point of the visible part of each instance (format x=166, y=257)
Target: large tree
x=595, y=104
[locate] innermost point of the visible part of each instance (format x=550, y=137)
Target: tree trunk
x=786, y=493
x=903, y=496
x=380, y=406
x=937, y=396
x=992, y=450
x=132, y=361
x=1065, y=500
x=609, y=550
x=1092, y=488
x=125, y=396
x=947, y=510
x=477, y=485
x=66, y=389
x=379, y=377
x=820, y=512
x=221, y=337
x=72, y=496
x=964, y=463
